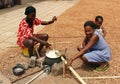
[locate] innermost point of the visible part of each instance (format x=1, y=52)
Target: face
x=89, y=31
x=31, y=16
x=99, y=22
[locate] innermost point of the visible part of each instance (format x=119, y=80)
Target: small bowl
x=18, y=70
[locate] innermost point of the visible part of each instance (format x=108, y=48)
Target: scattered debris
x=1, y=81
x=11, y=56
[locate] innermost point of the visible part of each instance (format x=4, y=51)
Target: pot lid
x=52, y=54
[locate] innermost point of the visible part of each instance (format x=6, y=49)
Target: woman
x=94, y=48
x=26, y=38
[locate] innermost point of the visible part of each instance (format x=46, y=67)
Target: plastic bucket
x=25, y=52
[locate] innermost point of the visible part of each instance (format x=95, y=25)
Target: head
x=30, y=13
x=89, y=28
x=99, y=20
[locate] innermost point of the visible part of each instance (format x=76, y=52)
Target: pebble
x=1, y=81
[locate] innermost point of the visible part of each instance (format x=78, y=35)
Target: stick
x=35, y=77
x=37, y=52
x=25, y=76
x=12, y=46
x=66, y=37
x=54, y=35
x=73, y=71
x=103, y=77
x=63, y=69
x=59, y=42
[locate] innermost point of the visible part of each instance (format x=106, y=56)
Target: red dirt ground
x=69, y=30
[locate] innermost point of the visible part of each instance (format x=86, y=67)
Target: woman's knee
x=43, y=36
x=28, y=43
x=46, y=36
x=84, y=59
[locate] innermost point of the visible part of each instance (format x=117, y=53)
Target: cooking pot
x=52, y=57
x=18, y=70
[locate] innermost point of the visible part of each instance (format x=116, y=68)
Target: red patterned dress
x=25, y=32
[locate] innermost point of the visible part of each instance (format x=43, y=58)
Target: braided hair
x=30, y=9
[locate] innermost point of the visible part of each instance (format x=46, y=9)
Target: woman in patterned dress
x=25, y=36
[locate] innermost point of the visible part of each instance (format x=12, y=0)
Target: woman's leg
x=42, y=37
x=101, y=64
x=28, y=43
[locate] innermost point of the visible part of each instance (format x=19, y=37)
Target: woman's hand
x=54, y=18
x=49, y=22
x=69, y=62
x=46, y=44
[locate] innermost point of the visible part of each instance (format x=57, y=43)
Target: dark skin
x=40, y=38
x=92, y=40
x=99, y=23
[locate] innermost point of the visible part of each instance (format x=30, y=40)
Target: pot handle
x=65, y=50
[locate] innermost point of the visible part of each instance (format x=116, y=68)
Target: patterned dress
x=25, y=32
x=100, y=51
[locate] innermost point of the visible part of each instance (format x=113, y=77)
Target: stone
x=1, y=81
x=32, y=61
x=57, y=69
x=24, y=65
x=39, y=62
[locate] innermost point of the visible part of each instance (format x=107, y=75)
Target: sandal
x=106, y=66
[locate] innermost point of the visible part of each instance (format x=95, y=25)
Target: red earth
x=67, y=32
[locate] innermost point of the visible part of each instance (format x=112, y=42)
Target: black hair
x=91, y=24
x=97, y=17
x=30, y=9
